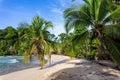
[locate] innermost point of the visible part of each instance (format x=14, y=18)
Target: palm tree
x=98, y=22
x=40, y=46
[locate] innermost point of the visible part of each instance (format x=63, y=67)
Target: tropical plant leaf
x=113, y=16
x=114, y=50
x=103, y=9
x=113, y=30
x=81, y=38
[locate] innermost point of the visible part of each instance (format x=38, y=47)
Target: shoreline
x=65, y=69
x=10, y=68
x=56, y=59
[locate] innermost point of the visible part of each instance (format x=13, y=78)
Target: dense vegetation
x=28, y=39
x=100, y=27
x=96, y=34
x=17, y=41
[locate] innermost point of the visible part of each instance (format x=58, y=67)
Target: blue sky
x=12, y=12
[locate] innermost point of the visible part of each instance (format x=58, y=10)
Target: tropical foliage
x=39, y=37
x=28, y=39
x=98, y=21
x=93, y=32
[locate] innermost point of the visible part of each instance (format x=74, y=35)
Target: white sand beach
x=63, y=68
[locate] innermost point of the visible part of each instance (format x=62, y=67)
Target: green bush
x=91, y=55
x=20, y=52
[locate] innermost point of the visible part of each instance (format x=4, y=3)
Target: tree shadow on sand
x=86, y=71
x=55, y=63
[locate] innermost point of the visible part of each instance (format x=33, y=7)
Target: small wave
x=9, y=61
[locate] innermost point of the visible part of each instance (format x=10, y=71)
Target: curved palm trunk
x=41, y=54
x=42, y=60
x=98, y=56
x=49, y=58
x=101, y=38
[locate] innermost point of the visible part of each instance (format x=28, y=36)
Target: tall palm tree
x=40, y=46
x=98, y=22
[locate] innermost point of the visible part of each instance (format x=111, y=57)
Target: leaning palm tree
x=99, y=23
x=39, y=46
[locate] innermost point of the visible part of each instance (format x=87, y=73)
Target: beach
x=62, y=68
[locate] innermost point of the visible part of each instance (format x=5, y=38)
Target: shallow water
x=13, y=63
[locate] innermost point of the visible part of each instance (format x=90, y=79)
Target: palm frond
x=113, y=50
x=76, y=17
x=81, y=38
x=103, y=9
x=47, y=25
x=112, y=16
x=113, y=30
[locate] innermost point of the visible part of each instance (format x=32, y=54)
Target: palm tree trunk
x=98, y=56
x=100, y=37
x=49, y=57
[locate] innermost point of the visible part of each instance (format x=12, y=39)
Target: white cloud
x=38, y=12
x=59, y=6
x=57, y=10
x=64, y=3
x=67, y=3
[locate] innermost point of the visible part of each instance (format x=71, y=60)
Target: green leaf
x=114, y=50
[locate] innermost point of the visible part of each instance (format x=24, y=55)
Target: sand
x=63, y=68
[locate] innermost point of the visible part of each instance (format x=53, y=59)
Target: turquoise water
x=13, y=63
